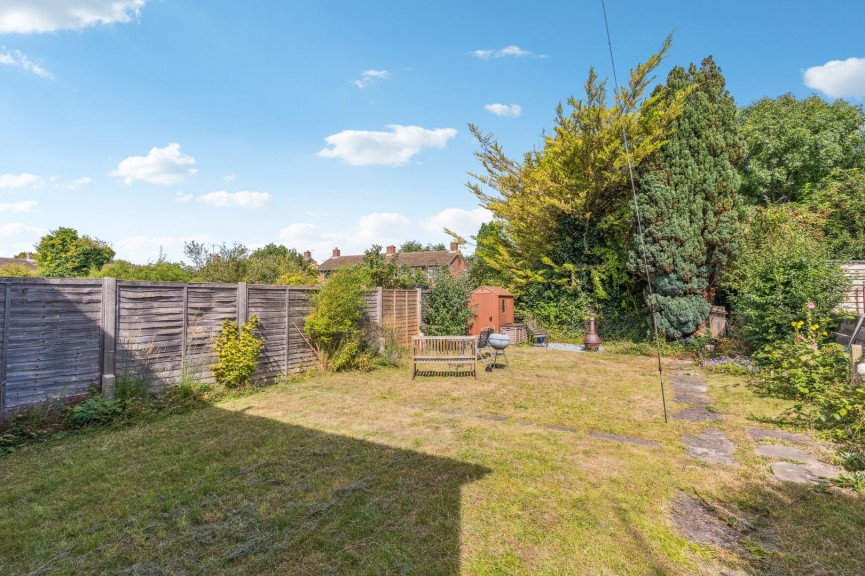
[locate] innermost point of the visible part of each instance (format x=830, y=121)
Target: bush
x=334, y=326
x=237, y=353
x=93, y=411
x=782, y=268
x=817, y=376
x=446, y=309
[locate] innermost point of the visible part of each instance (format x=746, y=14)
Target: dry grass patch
x=377, y=474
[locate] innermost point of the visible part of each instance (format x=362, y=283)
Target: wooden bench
x=444, y=350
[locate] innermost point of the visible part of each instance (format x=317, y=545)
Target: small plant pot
x=860, y=368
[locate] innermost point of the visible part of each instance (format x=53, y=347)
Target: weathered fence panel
x=60, y=336
x=854, y=300
x=150, y=332
x=51, y=340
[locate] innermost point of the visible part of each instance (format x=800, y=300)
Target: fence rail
x=59, y=337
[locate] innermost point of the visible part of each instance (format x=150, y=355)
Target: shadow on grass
x=791, y=529
x=216, y=491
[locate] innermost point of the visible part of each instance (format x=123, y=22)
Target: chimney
x=307, y=255
x=454, y=246
x=336, y=252
x=391, y=249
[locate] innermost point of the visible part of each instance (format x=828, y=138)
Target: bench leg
x=413, y=370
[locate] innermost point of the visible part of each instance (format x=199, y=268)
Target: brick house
x=429, y=262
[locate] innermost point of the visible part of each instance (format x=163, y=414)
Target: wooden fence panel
x=301, y=356
x=207, y=306
x=268, y=304
x=151, y=330
x=52, y=340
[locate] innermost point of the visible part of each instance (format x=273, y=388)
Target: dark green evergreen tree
x=688, y=196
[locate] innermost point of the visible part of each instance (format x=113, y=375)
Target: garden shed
x=493, y=307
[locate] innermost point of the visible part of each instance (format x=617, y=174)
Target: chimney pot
x=307, y=255
x=391, y=249
x=336, y=252
x=454, y=246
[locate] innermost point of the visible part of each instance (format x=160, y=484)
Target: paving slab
x=781, y=452
x=698, y=523
x=711, y=446
x=697, y=414
x=780, y=435
x=802, y=473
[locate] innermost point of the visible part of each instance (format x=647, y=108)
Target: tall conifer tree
x=688, y=196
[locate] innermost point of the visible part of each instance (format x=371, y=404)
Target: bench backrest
x=444, y=346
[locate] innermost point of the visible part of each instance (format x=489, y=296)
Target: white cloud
x=508, y=51
x=463, y=222
x=382, y=228
x=838, y=78
x=22, y=180
x=20, y=60
x=79, y=182
x=17, y=207
x=230, y=177
x=505, y=110
x=393, y=148
x=245, y=199
x=29, y=16
x=370, y=77
x=183, y=197
x=17, y=237
x=161, y=166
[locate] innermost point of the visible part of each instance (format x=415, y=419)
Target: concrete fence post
x=242, y=303
x=109, y=337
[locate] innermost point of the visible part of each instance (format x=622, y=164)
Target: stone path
x=798, y=464
x=711, y=446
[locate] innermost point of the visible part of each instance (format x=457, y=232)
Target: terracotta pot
x=592, y=341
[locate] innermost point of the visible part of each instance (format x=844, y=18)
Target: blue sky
x=147, y=123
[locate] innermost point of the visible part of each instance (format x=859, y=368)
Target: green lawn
x=378, y=474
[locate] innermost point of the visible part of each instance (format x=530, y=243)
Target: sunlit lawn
x=378, y=474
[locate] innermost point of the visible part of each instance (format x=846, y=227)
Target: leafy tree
x=794, y=144
x=840, y=201
x=387, y=272
x=483, y=264
x=276, y=264
x=334, y=326
x=16, y=270
x=159, y=271
x=63, y=253
x=415, y=246
x=446, y=310
x=782, y=268
x=569, y=203
x=222, y=263
x=688, y=201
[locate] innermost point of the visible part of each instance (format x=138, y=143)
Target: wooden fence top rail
x=459, y=338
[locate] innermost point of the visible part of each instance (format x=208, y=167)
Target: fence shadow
x=217, y=491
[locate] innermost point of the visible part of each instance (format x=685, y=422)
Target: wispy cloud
x=17, y=207
x=244, y=199
x=505, y=110
x=34, y=16
x=370, y=77
x=392, y=148
x=230, y=177
x=18, y=59
x=79, y=182
x=161, y=166
x=838, y=78
x=511, y=51
x=463, y=222
x=22, y=180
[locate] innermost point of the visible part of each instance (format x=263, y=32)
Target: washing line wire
x=627, y=145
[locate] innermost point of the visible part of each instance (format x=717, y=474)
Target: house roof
x=20, y=262
x=494, y=290
x=412, y=259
